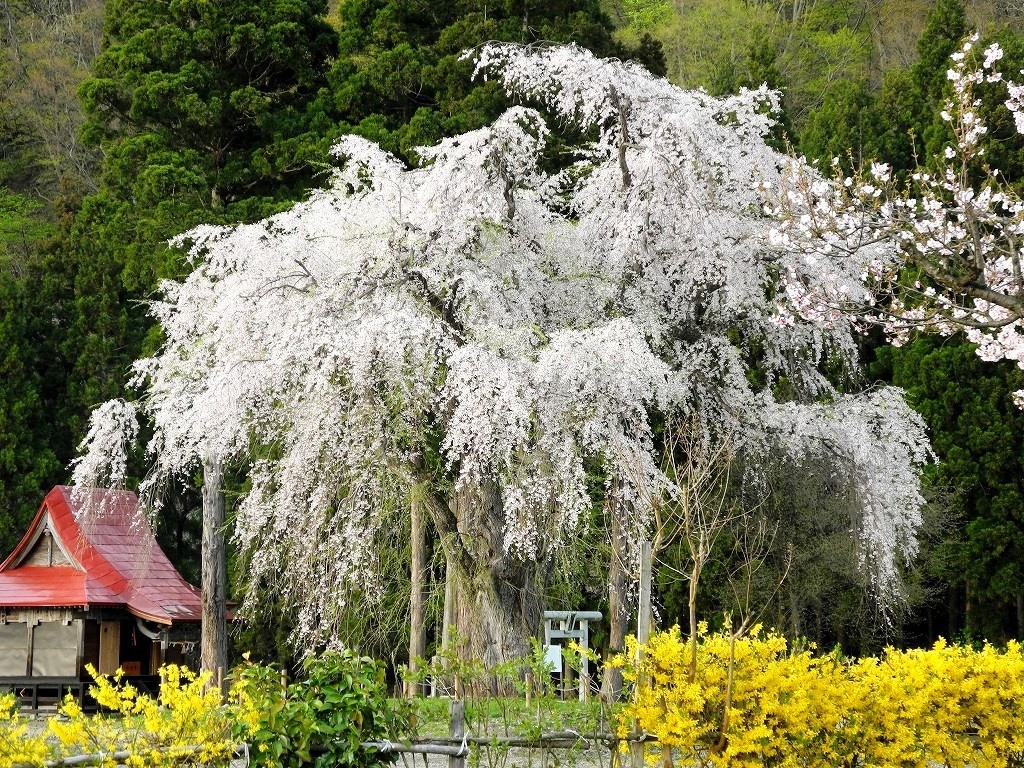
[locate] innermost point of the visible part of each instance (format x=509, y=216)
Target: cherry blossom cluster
x=941, y=251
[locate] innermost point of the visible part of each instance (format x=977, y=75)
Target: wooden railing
x=36, y=693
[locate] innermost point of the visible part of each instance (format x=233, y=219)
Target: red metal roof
x=115, y=560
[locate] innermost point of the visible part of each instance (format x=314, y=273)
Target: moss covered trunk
x=497, y=596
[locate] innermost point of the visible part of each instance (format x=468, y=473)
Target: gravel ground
x=515, y=757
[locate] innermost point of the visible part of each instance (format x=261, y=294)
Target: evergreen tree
x=944, y=31
x=202, y=111
x=196, y=95
x=203, y=114
x=27, y=462
x=845, y=126
x=897, y=124
x=966, y=402
x=400, y=79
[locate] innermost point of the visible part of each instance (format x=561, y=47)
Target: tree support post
x=643, y=634
x=213, y=644
x=417, y=597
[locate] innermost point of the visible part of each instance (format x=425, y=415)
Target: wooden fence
x=457, y=746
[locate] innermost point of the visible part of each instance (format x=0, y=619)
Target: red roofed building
x=88, y=584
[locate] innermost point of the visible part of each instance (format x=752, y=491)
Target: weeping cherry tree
x=480, y=332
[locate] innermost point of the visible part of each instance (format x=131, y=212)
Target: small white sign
x=553, y=657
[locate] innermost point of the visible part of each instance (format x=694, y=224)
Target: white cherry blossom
x=958, y=227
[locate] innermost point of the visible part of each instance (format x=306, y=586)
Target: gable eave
x=35, y=530
x=42, y=521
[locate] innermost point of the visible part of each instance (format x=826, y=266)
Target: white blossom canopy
x=530, y=322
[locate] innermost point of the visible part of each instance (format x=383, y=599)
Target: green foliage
x=340, y=703
x=46, y=49
x=27, y=459
x=758, y=67
x=23, y=227
x=944, y=31
x=644, y=15
x=900, y=107
x=348, y=694
x=1005, y=147
x=202, y=110
x=195, y=96
x=858, y=125
x=723, y=45
x=966, y=402
x=898, y=123
x=845, y=126
x=517, y=697
x=278, y=726
x=707, y=40
x=823, y=48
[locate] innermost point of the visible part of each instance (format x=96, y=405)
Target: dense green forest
x=125, y=123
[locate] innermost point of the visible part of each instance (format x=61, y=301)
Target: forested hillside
x=125, y=123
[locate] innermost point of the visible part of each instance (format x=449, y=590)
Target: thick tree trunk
x=493, y=599
x=498, y=604
x=213, y=644
x=418, y=591
x=496, y=612
x=618, y=589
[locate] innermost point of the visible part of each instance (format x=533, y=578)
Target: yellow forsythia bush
x=161, y=732
x=17, y=745
x=946, y=706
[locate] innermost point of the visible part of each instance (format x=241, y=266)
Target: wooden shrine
x=88, y=584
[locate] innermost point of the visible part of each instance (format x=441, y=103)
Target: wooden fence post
x=457, y=730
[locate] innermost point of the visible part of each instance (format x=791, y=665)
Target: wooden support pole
x=31, y=647
x=643, y=622
x=418, y=593
x=213, y=642
x=448, y=614
x=584, y=660
x=643, y=634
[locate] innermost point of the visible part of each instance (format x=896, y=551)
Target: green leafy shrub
x=342, y=702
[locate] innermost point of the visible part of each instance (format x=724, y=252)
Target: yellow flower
x=948, y=705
